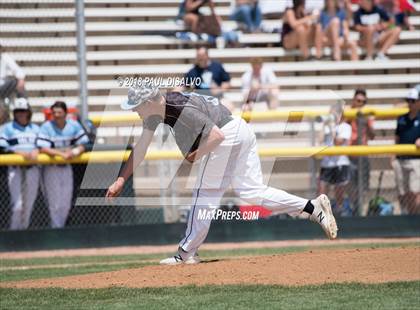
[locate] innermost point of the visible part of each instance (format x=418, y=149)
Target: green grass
x=402, y=295
x=40, y=273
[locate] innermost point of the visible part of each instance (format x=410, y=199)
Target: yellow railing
x=118, y=156
x=267, y=115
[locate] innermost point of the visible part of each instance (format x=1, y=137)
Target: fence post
x=81, y=59
x=360, y=200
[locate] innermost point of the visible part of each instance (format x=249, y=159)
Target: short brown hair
x=60, y=105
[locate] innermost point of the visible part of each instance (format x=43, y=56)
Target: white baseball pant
x=23, y=187
x=58, y=189
x=234, y=162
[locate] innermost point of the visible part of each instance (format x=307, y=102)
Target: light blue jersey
x=15, y=137
x=50, y=136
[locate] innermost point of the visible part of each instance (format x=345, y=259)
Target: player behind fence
x=65, y=138
x=19, y=136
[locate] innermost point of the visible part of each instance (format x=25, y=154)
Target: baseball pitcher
x=226, y=147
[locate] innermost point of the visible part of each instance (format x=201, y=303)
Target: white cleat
x=193, y=260
x=323, y=216
x=174, y=260
x=178, y=260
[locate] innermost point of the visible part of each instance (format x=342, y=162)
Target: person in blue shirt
x=18, y=137
x=65, y=138
x=333, y=30
x=207, y=76
x=407, y=167
x=375, y=29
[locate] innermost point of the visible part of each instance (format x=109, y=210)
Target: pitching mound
x=313, y=267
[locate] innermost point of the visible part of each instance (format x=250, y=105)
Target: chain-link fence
x=41, y=36
x=62, y=195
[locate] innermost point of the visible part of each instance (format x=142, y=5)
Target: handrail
x=264, y=116
x=118, y=156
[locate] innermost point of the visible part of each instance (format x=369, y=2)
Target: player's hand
x=115, y=189
x=418, y=142
x=33, y=155
x=67, y=155
x=26, y=155
x=191, y=156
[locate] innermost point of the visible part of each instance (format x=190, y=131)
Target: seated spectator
x=360, y=136
x=209, y=75
x=407, y=167
x=375, y=29
x=333, y=30
x=397, y=10
x=64, y=138
x=298, y=28
x=259, y=84
x=12, y=80
x=19, y=137
x=248, y=12
x=335, y=170
x=198, y=23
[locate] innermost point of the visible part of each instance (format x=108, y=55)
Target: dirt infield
x=367, y=265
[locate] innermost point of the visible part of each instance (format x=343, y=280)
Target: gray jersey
x=191, y=116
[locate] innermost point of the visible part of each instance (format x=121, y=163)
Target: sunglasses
x=411, y=101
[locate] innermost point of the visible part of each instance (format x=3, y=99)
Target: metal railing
x=89, y=207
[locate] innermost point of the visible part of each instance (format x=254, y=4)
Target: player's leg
x=248, y=184
x=53, y=192
x=66, y=183
x=15, y=189
x=215, y=175
x=31, y=191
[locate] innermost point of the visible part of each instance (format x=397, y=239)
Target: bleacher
x=137, y=37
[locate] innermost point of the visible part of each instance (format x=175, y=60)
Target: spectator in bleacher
x=298, y=28
x=335, y=170
x=12, y=80
x=375, y=29
x=198, y=23
x=259, y=84
x=64, y=138
x=367, y=133
x=248, y=13
x=208, y=76
x=398, y=11
x=18, y=137
x=333, y=30
x=407, y=167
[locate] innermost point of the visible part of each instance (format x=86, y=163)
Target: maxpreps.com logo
x=219, y=214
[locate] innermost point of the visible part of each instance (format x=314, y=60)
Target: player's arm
x=52, y=152
x=136, y=157
x=45, y=144
x=213, y=140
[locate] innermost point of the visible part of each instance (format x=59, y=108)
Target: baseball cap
x=138, y=95
x=413, y=94
x=21, y=104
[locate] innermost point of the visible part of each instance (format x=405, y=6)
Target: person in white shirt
x=335, y=170
x=12, y=77
x=259, y=85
